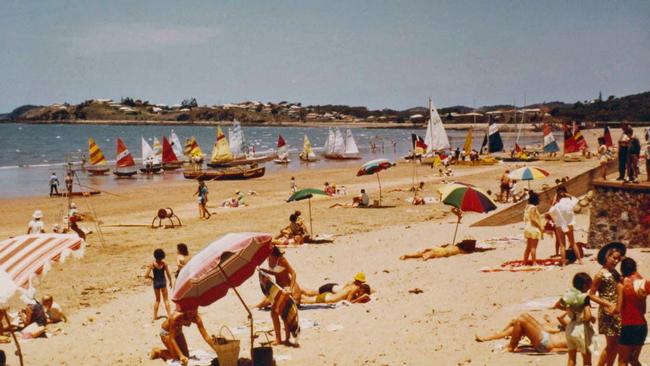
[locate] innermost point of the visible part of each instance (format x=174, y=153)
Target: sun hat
x=613, y=245
x=361, y=277
x=236, y=191
x=73, y=205
x=38, y=214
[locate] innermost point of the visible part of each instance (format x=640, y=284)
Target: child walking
x=160, y=277
x=579, y=332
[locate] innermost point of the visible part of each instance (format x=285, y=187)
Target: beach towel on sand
x=519, y=266
x=281, y=303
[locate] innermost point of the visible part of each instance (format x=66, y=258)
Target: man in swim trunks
x=504, y=195
x=352, y=291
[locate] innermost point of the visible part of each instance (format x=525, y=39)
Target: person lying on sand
x=543, y=337
x=294, y=233
x=361, y=200
x=34, y=319
x=435, y=252
x=353, y=294
x=53, y=311
x=418, y=188
x=172, y=337
x=334, y=288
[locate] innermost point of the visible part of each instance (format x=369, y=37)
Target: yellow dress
x=532, y=220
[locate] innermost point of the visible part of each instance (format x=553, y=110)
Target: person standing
x=160, y=276
x=623, y=144
x=68, y=182
x=534, y=229
x=633, y=156
x=292, y=186
x=647, y=153
x=202, y=193
x=632, y=306
x=505, y=186
x=54, y=184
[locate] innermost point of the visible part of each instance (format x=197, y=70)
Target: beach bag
x=263, y=355
x=227, y=349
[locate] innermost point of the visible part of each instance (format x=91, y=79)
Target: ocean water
x=30, y=152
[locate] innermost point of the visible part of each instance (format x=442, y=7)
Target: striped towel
x=281, y=303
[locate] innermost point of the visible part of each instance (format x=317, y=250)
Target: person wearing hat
x=36, y=225
x=354, y=292
x=240, y=198
x=606, y=283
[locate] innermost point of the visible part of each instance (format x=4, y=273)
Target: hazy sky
x=374, y=53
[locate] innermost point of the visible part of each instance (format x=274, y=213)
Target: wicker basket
x=227, y=349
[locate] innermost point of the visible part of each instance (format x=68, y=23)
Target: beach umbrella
x=25, y=257
x=466, y=198
x=307, y=194
x=375, y=166
x=528, y=173
x=224, y=264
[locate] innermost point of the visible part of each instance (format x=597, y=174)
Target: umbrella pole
x=379, y=182
x=311, y=228
x=453, y=242
x=250, y=314
x=19, y=352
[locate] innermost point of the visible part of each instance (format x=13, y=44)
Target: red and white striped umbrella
x=26, y=256
x=201, y=281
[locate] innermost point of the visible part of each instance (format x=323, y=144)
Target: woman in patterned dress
x=606, y=284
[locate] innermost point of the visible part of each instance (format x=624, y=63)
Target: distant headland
x=633, y=108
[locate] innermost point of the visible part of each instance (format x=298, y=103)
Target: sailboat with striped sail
x=235, y=152
x=307, y=154
x=124, y=164
x=98, y=163
x=169, y=159
x=176, y=145
x=193, y=151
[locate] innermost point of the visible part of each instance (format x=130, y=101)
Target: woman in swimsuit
x=543, y=337
x=182, y=257
x=172, y=337
x=284, y=275
x=160, y=270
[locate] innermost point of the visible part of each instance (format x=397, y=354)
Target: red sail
x=123, y=156
x=281, y=141
x=168, y=155
x=569, y=141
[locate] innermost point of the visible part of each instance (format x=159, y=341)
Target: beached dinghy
x=225, y=154
x=282, y=152
x=124, y=164
x=169, y=159
x=98, y=163
x=176, y=146
x=193, y=151
x=436, y=138
x=307, y=155
x=231, y=173
x=149, y=158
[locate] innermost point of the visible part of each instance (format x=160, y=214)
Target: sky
x=381, y=54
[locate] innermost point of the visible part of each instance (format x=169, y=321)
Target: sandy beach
x=110, y=301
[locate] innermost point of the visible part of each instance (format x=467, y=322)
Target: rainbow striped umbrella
x=375, y=166
x=467, y=198
x=528, y=173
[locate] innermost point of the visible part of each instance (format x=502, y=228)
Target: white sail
x=148, y=153
x=329, y=143
x=157, y=150
x=351, y=149
x=236, y=140
x=436, y=136
x=339, y=144
x=176, y=145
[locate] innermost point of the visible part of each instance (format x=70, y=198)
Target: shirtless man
x=330, y=293
x=171, y=335
x=505, y=186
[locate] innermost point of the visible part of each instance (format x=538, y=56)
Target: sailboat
x=149, y=157
x=193, y=151
x=235, y=152
x=436, y=137
x=176, y=145
x=169, y=159
x=98, y=163
x=157, y=149
x=307, y=154
x=339, y=147
x=282, y=152
x=124, y=164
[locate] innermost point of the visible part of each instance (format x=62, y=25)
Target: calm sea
x=30, y=152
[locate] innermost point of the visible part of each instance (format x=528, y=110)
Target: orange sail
x=96, y=157
x=168, y=155
x=123, y=157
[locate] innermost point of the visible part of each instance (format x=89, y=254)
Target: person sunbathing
x=435, y=252
x=334, y=288
x=353, y=294
x=172, y=337
x=417, y=200
x=53, y=311
x=294, y=233
x=361, y=200
x=543, y=337
x=417, y=188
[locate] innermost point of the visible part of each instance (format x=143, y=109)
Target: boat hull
x=225, y=174
x=172, y=166
x=342, y=157
x=97, y=171
x=155, y=170
x=238, y=162
x=76, y=194
x=125, y=174
x=282, y=161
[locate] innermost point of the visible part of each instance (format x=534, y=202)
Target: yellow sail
x=192, y=148
x=468, y=142
x=221, y=152
x=96, y=157
x=306, y=148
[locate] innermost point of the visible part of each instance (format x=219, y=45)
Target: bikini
x=542, y=347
